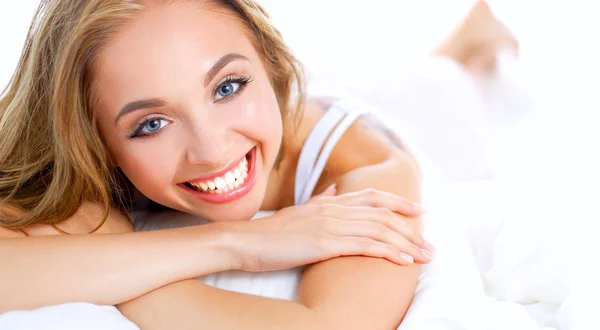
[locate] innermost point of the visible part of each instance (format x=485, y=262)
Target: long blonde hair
x=52, y=157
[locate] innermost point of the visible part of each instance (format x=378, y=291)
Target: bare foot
x=477, y=39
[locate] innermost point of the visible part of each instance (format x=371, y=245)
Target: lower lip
x=231, y=195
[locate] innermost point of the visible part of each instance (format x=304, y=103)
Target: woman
x=209, y=86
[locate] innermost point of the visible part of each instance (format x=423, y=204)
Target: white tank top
x=313, y=158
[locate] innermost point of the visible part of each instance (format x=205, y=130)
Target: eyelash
x=242, y=80
x=137, y=132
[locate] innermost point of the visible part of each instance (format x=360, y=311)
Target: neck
x=280, y=188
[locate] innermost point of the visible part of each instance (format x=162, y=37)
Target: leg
x=475, y=42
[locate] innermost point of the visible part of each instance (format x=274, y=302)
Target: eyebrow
x=221, y=63
x=137, y=105
x=210, y=75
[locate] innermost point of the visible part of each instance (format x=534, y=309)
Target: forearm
x=104, y=269
x=186, y=305
x=361, y=295
x=190, y=304
x=362, y=292
x=379, y=304
x=343, y=293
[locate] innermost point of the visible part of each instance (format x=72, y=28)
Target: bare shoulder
x=5, y=232
x=87, y=218
x=370, y=145
x=10, y=233
x=90, y=215
x=367, y=143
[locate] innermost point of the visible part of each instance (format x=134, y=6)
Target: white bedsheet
x=534, y=249
x=500, y=266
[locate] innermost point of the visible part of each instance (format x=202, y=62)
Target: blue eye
x=227, y=89
x=153, y=125
x=230, y=86
x=149, y=127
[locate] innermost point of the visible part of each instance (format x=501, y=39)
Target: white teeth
x=230, y=181
x=229, y=178
x=220, y=183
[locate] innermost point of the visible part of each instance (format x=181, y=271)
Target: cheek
x=260, y=119
x=150, y=164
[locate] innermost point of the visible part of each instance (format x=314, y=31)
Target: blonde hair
x=52, y=157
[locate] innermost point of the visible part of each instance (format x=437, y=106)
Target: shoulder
x=10, y=233
x=369, y=147
x=86, y=219
x=5, y=232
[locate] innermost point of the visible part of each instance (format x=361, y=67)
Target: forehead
x=165, y=42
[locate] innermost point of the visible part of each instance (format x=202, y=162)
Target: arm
x=374, y=291
x=113, y=268
x=102, y=269
x=358, y=292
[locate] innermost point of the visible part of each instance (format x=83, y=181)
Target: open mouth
x=227, y=185
x=221, y=184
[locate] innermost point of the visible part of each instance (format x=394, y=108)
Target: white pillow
x=73, y=316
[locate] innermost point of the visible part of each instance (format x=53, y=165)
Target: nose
x=207, y=144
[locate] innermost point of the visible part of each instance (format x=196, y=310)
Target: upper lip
x=219, y=172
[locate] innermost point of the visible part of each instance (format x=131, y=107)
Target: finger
x=378, y=232
x=361, y=246
x=376, y=198
x=384, y=216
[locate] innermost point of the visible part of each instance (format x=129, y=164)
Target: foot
x=477, y=39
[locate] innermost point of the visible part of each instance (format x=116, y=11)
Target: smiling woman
x=209, y=79
x=198, y=106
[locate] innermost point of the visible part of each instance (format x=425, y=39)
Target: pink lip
x=232, y=194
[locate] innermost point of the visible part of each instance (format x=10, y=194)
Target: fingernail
x=418, y=207
x=428, y=255
x=407, y=258
x=331, y=187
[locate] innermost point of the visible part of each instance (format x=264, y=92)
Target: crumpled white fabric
x=73, y=316
x=534, y=250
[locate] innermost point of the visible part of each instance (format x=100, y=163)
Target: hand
x=361, y=223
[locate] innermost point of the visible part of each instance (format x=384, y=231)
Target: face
x=187, y=111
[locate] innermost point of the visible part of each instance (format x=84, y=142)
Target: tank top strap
x=319, y=145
